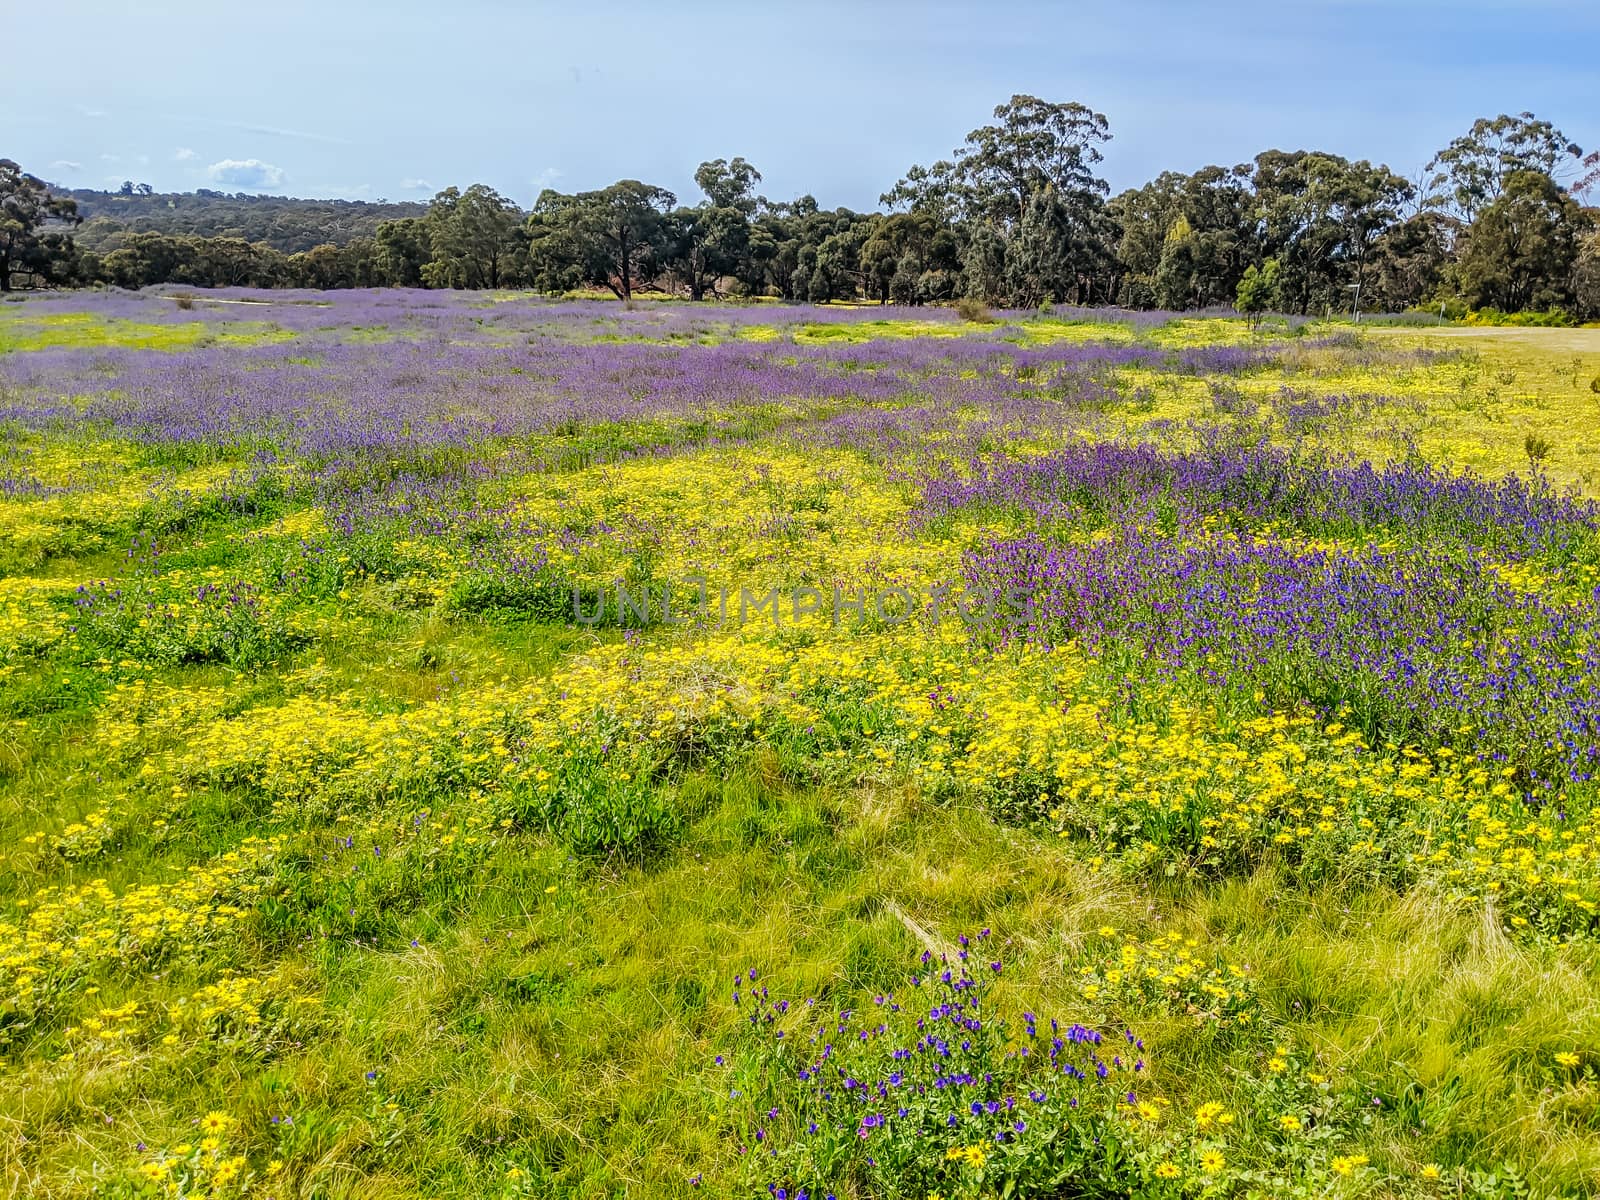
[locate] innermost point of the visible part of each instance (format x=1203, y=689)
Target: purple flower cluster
x=910, y=1086
x=1418, y=644
x=1303, y=413
x=1518, y=516
x=472, y=378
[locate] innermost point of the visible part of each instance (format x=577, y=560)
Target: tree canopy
x=34, y=242
x=1016, y=215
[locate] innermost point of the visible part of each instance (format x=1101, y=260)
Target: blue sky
x=401, y=98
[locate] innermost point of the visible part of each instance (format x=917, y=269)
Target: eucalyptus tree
x=834, y=261
x=1185, y=239
x=712, y=240
x=1027, y=181
x=1475, y=168
x=1032, y=147
x=1410, y=263
x=1523, y=250
x=983, y=264
x=473, y=238
x=808, y=252
x=1062, y=251
x=35, y=224
x=1319, y=215
x=729, y=184
x=704, y=244
x=1590, y=179
x=617, y=237
x=145, y=258
x=909, y=258
x=400, y=251
x=1586, y=277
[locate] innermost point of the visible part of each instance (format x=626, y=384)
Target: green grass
x=24, y=330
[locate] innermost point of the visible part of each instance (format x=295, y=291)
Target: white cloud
x=111, y=158
x=184, y=154
x=547, y=178
x=415, y=185
x=247, y=173
x=64, y=164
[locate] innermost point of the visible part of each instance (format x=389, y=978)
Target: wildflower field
x=461, y=746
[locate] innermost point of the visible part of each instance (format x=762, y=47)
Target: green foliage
x=1258, y=290
x=1476, y=168
x=1015, y=214
x=282, y=223
x=541, y=598
x=34, y=246
x=615, y=238
x=472, y=239
x=1521, y=252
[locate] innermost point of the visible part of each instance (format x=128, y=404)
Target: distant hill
x=282, y=222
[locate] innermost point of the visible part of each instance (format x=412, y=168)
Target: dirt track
x=1572, y=341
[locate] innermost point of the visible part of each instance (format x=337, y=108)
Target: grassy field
x=460, y=747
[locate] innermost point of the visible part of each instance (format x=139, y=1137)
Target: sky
x=368, y=100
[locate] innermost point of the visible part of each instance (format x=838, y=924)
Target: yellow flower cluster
x=31, y=616
x=1022, y=727
x=203, y=1168
x=86, y=838
x=62, y=936
x=239, y=1008
x=736, y=517
x=1174, y=973
x=89, y=498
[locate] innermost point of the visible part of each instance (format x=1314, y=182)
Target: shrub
x=601, y=804
x=972, y=309
x=1550, y=318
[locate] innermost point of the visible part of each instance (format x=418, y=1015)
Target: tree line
x=1017, y=216
x=280, y=222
